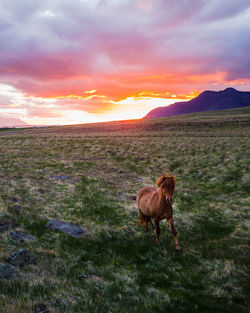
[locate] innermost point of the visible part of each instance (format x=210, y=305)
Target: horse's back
x=143, y=198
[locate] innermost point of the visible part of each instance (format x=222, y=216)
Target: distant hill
x=206, y=101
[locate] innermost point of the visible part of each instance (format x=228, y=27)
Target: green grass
x=117, y=267
x=233, y=112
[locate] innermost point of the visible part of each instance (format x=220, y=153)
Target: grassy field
x=89, y=175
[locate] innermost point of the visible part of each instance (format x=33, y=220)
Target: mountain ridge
x=208, y=100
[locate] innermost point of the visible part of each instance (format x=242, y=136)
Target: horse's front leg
x=157, y=231
x=174, y=233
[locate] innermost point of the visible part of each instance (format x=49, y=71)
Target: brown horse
x=157, y=204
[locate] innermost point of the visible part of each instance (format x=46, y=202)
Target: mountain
x=206, y=101
x=11, y=122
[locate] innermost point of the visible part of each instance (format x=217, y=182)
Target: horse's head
x=167, y=185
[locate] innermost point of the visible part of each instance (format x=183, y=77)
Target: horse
x=156, y=204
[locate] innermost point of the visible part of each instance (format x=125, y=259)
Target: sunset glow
x=69, y=62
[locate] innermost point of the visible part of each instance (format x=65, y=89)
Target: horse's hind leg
x=148, y=220
x=151, y=224
x=174, y=233
x=157, y=231
x=143, y=220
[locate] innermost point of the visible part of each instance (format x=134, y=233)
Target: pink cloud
x=61, y=48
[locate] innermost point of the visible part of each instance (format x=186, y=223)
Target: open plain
x=88, y=175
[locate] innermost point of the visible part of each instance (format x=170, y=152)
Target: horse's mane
x=165, y=180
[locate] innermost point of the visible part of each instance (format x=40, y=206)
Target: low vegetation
x=88, y=175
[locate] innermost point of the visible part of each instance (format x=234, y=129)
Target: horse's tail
x=142, y=217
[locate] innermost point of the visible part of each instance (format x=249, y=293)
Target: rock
x=5, y=226
x=6, y=271
x=21, y=236
x=61, y=177
x=91, y=277
x=18, y=207
x=86, y=276
x=41, y=308
x=13, y=199
x=22, y=257
x=68, y=228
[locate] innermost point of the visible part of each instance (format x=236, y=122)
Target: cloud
x=11, y=122
x=76, y=109
x=119, y=48
x=217, y=10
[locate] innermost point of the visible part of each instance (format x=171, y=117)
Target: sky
x=80, y=61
